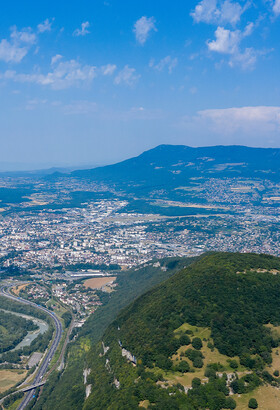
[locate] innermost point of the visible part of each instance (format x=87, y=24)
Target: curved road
x=58, y=333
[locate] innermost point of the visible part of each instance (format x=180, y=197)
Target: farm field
x=96, y=283
x=8, y=378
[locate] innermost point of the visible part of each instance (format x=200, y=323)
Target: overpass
x=32, y=386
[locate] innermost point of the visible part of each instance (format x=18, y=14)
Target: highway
x=4, y=290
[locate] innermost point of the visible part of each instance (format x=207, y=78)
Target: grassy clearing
x=209, y=357
x=144, y=404
x=275, y=330
x=268, y=398
x=8, y=378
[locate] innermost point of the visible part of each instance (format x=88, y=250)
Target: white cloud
x=45, y=26
x=127, y=76
x=64, y=75
x=246, y=59
x=259, y=125
x=108, y=69
x=228, y=42
x=16, y=48
x=143, y=27
x=166, y=62
x=245, y=119
x=230, y=120
x=276, y=7
x=83, y=30
x=11, y=53
x=26, y=36
x=56, y=58
x=218, y=12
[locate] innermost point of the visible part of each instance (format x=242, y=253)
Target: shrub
x=253, y=404
x=196, y=383
x=183, y=367
x=233, y=364
x=230, y=403
x=184, y=340
x=197, y=343
x=198, y=362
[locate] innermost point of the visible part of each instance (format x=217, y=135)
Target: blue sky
x=94, y=82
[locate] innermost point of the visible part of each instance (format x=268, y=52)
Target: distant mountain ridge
x=174, y=164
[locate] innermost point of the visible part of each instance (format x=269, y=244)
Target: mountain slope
x=174, y=164
x=231, y=299
x=67, y=387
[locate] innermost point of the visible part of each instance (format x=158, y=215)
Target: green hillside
x=67, y=386
x=209, y=330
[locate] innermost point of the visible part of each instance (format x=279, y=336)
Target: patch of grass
x=209, y=358
x=144, y=404
x=8, y=378
x=202, y=332
x=275, y=330
x=268, y=398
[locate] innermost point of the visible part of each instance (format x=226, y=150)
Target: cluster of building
x=35, y=292
x=101, y=232
x=81, y=300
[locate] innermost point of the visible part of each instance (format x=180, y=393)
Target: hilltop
x=210, y=330
x=174, y=164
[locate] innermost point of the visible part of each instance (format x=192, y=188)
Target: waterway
x=28, y=339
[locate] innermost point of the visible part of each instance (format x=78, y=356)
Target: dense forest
x=234, y=295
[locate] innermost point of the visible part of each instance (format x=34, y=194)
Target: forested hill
x=173, y=164
x=210, y=330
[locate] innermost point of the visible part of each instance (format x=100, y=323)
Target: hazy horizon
x=26, y=167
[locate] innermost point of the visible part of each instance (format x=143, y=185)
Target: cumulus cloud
x=276, y=7
x=166, y=62
x=244, y=120
x=143, y=27
x=218, y=12
x=25, y=36
x=108, y=69
x=45, y=26
x=11, y=53
x=238, y=125
x=14, y=49
x=228, y=42
x=65, y=74
x=246, y=59
x=127, y=76
x=83, y=30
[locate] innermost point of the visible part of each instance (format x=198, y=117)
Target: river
x=28, y=339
